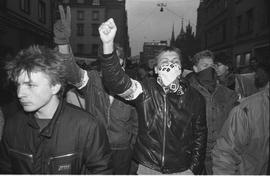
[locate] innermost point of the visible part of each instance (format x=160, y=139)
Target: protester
x=219, y=99
x=119, y=118
x=50, y=136
x=225, y=74
x=243, y=145
x=172, y=125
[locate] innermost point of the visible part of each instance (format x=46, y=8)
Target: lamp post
x=161, y=5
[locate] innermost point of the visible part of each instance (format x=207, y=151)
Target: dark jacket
x=172, y=127
x=218, y=106
x=73, y=142
x=118, y=117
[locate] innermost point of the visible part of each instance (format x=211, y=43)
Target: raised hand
x=62, y=27
x=107, y=31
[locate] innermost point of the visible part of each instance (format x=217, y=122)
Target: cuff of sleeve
x=107, y=55
x=84, y=81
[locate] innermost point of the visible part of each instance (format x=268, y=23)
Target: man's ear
x=56, y=88
x=156, y=70
x=195, y=68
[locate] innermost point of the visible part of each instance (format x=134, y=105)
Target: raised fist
x=107, y=31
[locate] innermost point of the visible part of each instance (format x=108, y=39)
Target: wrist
x=64, y=49
x=108, y=48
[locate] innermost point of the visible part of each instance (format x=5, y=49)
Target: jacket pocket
x=65, y=164
x=20, y=160
x=22, y=156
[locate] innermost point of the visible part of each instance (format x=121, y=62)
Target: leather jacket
x=172, y=127
x=74, y=142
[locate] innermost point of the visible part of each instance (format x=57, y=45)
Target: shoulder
x=75, y=113
x=226, y=92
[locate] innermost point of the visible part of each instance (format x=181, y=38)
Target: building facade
x=150, y=50
x=24, y=23
x=236, y=30
x=87, y=15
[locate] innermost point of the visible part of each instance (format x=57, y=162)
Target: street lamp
x=161, y=5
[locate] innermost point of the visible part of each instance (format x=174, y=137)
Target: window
x=80, y=48
x=96, y=2
x=80, y=29
x=41, y=11
x=95, y=29
x=94, y=49
x=95, y=15
x=247, y=58
x=250, y=20
x=224, y=32
x=238, y=25
x=25, y=6
x=80, y=1
x=80, y=15
x=240, y=60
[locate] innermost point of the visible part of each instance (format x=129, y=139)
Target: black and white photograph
x=134, y=87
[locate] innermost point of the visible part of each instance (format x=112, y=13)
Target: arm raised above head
x=114, y=77
x=62, y=33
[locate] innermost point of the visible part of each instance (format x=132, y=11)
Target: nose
x=21, y=91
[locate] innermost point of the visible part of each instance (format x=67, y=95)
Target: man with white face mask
x=171, y=114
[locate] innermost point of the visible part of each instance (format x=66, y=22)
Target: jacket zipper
x=164, y=132
x=24, y=154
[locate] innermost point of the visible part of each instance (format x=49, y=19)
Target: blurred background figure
x=243, y=145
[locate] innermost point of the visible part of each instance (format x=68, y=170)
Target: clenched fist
x=107, y=32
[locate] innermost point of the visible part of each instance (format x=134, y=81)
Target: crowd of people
x=68, y=120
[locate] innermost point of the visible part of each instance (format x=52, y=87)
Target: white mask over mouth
x=168, y=72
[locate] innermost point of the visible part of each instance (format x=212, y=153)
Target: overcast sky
x=146, y=22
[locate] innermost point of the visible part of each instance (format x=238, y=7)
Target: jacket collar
x=48, y=130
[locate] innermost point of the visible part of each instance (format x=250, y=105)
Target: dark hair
x=38, y=58
x=202, y=54
x=170, y=49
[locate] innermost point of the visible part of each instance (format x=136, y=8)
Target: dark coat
x=73, y=142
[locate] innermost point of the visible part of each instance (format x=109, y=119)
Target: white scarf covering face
x=168, y=73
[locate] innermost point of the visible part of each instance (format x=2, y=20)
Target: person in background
x=117, y=115
x=224, y=72
x=49, y=136
x=172, y=126
x=219, y=99
x=243, y=145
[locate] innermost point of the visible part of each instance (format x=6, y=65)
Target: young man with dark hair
x=172, y=126
x=49, y=136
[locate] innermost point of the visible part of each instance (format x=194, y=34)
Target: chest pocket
x=19, y=158
x=65, y=164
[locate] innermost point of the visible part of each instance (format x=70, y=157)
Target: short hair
x=169, y=49
x=202, y=54
x=38, y=58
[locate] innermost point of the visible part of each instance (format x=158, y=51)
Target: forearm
x=75, y=73
x=114, y=76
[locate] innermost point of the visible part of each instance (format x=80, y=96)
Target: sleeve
x=233, y=138
x=97, y=151
x=5, y=163
x=200, y=138
x=75, y=74
x=116, y=80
